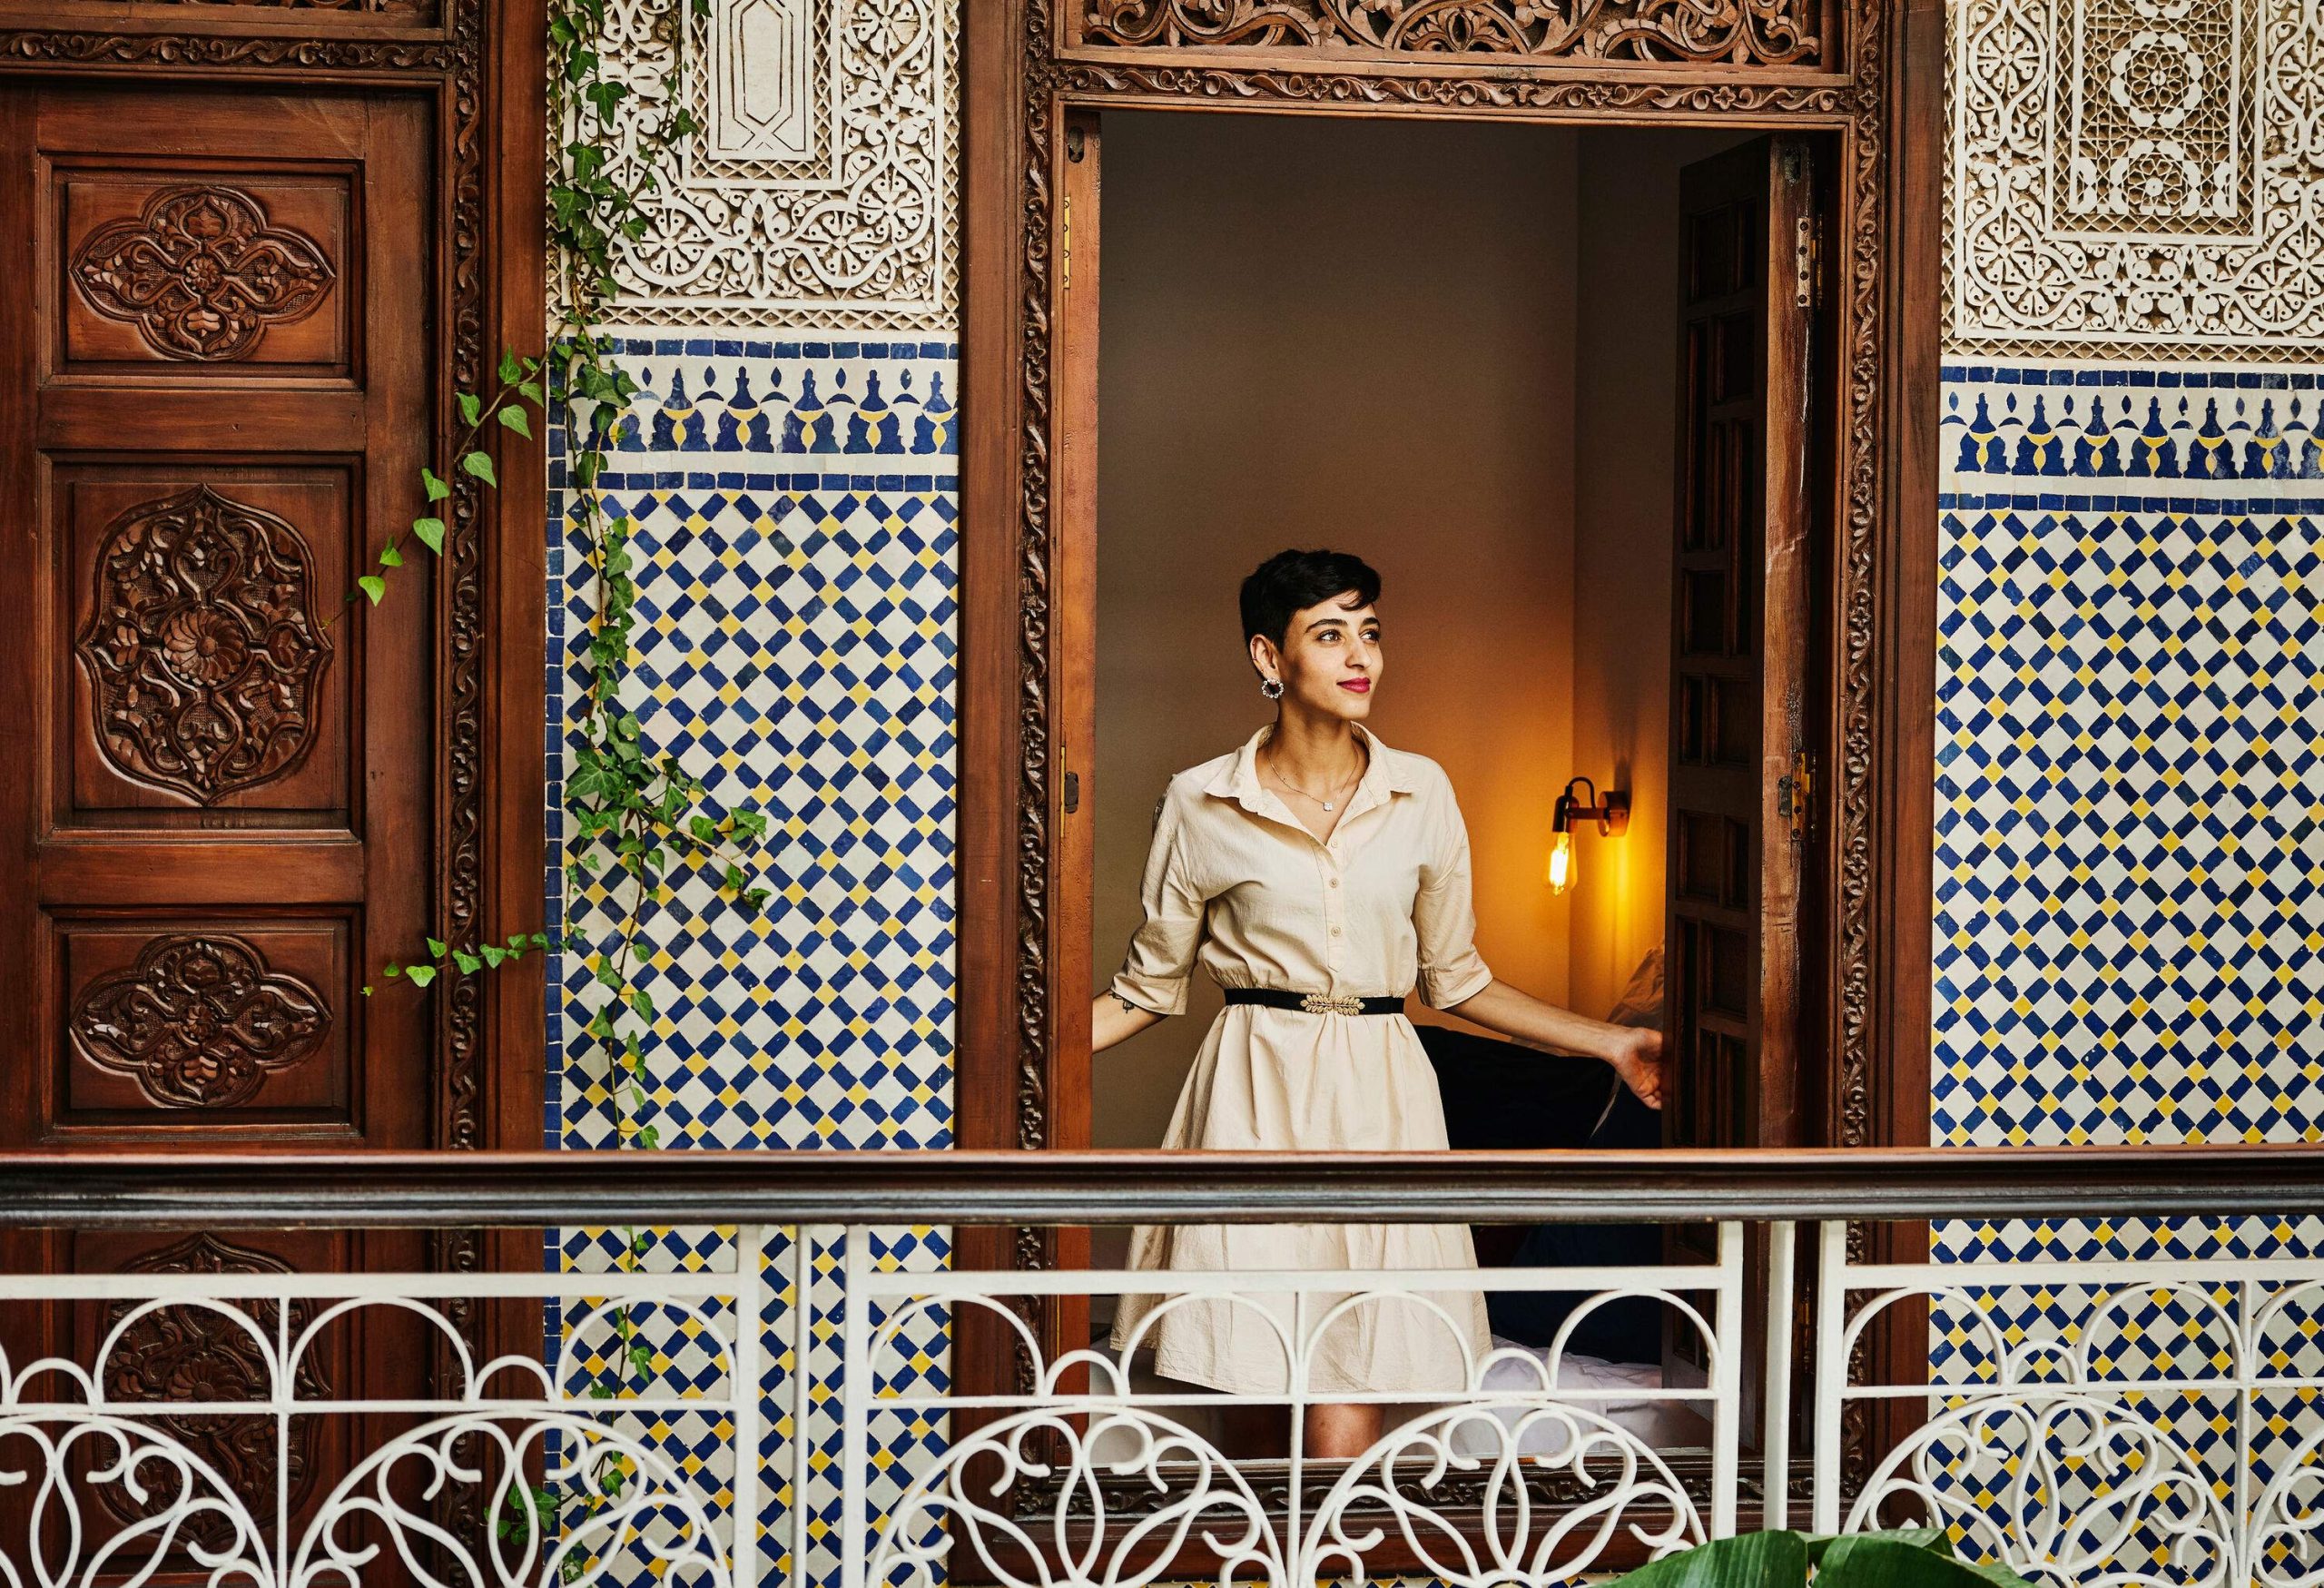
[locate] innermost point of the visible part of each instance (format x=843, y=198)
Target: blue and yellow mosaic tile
x=795, y=522
x=2128, y=932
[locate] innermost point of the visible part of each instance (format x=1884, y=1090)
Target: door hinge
x=1072, y=792
x=1806, y=246
x=1793, y=792
x=1065, y=246
x=1794, y=789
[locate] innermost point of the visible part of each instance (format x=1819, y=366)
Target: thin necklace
x=1319, y=799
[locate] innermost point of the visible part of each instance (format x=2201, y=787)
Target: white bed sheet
x=1518, y=1369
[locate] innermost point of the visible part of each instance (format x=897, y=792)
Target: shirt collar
x=1386, y=773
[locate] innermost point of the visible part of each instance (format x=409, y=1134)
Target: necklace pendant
x=1327, y=804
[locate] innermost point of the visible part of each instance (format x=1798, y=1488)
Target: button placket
x=1335, y=919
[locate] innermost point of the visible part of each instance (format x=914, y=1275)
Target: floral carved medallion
x=201, y=274
x=199, y=1354
x=198, y=1023
x=201, y=648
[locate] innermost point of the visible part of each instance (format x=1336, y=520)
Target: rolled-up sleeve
x=1161, y=957
x=1445, y=916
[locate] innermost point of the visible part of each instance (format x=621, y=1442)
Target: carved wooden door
x=1740, y=787
x=219, y=818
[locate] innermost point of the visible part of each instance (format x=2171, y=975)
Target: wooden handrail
x=379, y=1190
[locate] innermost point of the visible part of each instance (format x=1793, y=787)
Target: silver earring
x=1272, y=688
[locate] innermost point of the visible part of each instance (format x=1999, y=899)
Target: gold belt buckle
x=1331, y=1003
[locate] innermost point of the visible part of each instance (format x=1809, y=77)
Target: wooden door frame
x=1883, y=106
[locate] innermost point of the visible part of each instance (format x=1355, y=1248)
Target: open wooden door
x=1742, y=780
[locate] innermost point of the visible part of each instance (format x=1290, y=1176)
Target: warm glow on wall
x=1611, y=813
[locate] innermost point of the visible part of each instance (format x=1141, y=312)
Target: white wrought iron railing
x=792, y=1384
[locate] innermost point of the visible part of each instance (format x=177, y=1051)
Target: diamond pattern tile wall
x=795, y=507
x=2128, y=864
x=2128, y=870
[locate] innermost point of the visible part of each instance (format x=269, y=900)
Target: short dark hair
x=1291, y=581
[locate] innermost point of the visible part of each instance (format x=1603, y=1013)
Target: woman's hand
x=1637, y=1057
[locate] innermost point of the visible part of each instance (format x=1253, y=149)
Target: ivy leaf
x=435, y=947
x=421, y=975
x=493, y=954
x=514, y=419
x=479, y=464
x=471, y=411
x=509, y=368
x=373, y=585
x=649, y=1136
x=757, y=897
x=531, y=392
x=437, y=488
x=643, y=1004
x=430, y=532
x=467, y=963
x=389, y=558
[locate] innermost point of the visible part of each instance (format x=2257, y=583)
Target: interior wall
x=1626, y=435
x=1351, y=334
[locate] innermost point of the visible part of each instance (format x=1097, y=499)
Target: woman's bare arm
x=1634, y=1051
x=1111, y=1020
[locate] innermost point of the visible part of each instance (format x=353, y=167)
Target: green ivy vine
x=637, y=817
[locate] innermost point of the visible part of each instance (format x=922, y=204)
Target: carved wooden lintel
x=1741, y=32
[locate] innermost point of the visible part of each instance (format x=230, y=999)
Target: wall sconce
x=1610, y=811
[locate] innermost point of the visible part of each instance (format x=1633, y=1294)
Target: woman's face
x=1330, y=661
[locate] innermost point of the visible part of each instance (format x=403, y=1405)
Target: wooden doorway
x=264, y=247
x=1869, y=84
x=1480, y=355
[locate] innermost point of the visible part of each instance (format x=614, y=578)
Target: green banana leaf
x=1915, y=1558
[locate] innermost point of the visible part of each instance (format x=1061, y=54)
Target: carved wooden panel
x=199, y=1021
x=187, y=1352
x=204, y=645
x=240, y=269
x=206, y=616
x=1742, y=33
x=231, y=1021
x=197, y=1353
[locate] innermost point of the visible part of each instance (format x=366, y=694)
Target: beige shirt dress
x=1235, y=882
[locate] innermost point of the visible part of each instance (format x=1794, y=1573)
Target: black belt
x=1317, y=1002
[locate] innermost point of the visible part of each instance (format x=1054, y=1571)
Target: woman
x=1318, y=859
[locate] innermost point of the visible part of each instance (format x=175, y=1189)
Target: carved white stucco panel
x=823, y=189
x=2136, y=177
